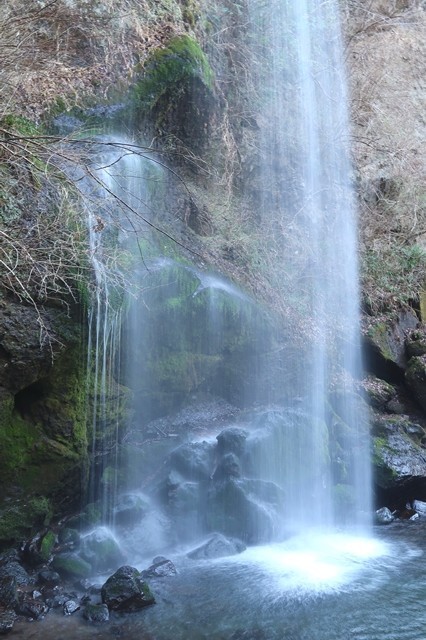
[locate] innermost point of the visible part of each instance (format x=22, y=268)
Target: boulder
x=243, y=508
x=101, y=549
x=71, y=565
x=384, y=516
x=232, y=440
x=415, y=378
x=32, y=608
x=194, y=460
x=160, y=568
x=15, y=570
x=217, y=546
x=96, y=613
x=397, y=457
x=130, y=508
x=49, y=578
x=8, y=592
x=228, y=467
x=126, y=591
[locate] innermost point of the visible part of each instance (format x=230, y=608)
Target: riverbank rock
x=96, y=613
x=126, y=591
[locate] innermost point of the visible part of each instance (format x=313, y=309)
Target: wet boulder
x=69, y=607
x=71, y=565
x=8, y=592
x=49, y=578
x=378, y=392
x=160, y=568
x=126, y=591
x=96, y=613
x=32, y=608
x=217, y=546
x=398, y=457
x=130, y=509
x=384, y=516
x=415, y=378
x=194, y=460
x=15, y=570
x=228, y=467
x=232, y=440
x=243, y=508
x=101, y=549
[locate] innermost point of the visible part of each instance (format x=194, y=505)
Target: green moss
x=172, y=69
x=47, y=545
x=71, y=565
x=23, y=518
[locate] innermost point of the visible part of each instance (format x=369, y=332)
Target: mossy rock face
x=397, y=456
x=415, y=377
x=71, y=565
x=22, y=519
x=385, y=341
x=176, y=91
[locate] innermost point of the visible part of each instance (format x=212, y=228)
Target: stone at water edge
x=420, y=507
x=126, y=591
x=96, y=613
x=162, y=568
x=71, y=565
x=218, y=546
x=384, y=516
x=7, y=620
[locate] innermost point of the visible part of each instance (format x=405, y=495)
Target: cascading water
x=306, y=167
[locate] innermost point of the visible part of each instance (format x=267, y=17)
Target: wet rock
x=101, y=549
x=415, y=342
x=218, y=546
x=130, y=508
x=397, y=457
x=32, y=608
x=15, y=570
x=49, y=578
x=384, y=516
x=194, y=460
x=244, y=508
x=232, y=440
x=378, y=392
x=7, y=620
x=420, y=507
x=96, y=613
x=161, y=569
x=126, y=591
x=39, y=549
x=71, y=565
x=385, y=339
x=228, y=467
x=415, y=377
x=8, y=592
x=70, y=607
x=69, y=537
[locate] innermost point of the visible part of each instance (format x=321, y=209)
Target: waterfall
x=304, y=462
x=306, y=168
